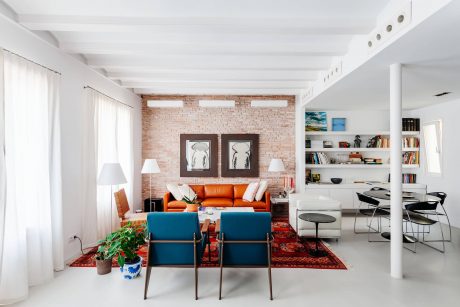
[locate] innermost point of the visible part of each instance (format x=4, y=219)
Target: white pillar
x=299, y=145
x=396, y=169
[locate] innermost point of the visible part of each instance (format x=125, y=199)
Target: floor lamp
x=111, y=174
x=150, y=167
x=276, y=166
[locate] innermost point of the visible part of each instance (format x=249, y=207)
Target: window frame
x=439, y=137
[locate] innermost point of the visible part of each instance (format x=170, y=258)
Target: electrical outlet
x=72, y=238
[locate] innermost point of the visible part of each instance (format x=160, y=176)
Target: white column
x=299, y=145
x=396, y=169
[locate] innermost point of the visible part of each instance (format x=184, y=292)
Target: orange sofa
x=218, y=195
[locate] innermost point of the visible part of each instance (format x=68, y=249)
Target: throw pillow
x=174, y=189
x=251, y=191
x=187, y=191
x=263, y=185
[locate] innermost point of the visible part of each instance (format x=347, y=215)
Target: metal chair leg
x=147, y=279
x=221, y=266
x=269, y=256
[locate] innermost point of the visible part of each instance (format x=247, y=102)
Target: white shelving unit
x=364, y=149
x=338, y=166
x=339, y=133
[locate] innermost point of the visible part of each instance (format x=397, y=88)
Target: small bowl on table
x=336, y=180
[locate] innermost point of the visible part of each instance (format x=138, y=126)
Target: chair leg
x=147, y=279
x=269, y=256
x=195, y=266
x=221, y=266
x=196, y=282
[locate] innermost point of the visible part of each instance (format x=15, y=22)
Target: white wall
x=75, y=76
x=449, y=113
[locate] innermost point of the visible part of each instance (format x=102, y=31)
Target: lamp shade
x=111, y=174
x=150, y=167
x=276, y=165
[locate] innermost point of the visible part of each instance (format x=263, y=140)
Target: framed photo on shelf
x=339, y=124
x=315, y=121
x=316, y=178
x=240, y=155
x=198, y=155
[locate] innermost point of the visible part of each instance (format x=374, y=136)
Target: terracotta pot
x=104, y=266
x=192, y=208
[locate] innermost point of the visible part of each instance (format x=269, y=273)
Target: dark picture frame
x=198, y=155
x=240, y=155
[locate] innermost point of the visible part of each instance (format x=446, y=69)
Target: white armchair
x=310, y=203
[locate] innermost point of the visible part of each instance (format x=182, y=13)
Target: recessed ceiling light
x=442, y=94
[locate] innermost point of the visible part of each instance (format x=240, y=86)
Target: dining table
x=407, y=197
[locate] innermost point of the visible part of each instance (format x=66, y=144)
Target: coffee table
x=317, y=218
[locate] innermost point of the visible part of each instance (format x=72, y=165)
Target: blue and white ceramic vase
x=133, y=270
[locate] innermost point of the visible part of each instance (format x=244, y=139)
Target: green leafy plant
x=123, y=244
x=188, y=200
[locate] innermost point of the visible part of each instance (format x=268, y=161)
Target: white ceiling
x=238, y=46
x=430, y=54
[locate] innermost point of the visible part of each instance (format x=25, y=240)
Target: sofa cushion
x=187, y=191
x=199, y=190
x=238, y=202
x=218, y=191
x=177, y=204
x=217, y=202
x=263, y=185
x=251, y=191
x=174, y=190
x=239, y=189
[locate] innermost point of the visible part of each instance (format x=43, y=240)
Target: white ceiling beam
x=155, y=48
x=213, y=62
x=215, y=91
x=218, y=84
x=218, y=75
x=172, y=24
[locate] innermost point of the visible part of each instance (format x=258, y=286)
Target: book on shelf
x=411, y=124
x=411, y=157
x=317, y=158
x=409, y=178
x=410, y=142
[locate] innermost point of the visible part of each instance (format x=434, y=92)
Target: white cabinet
x=346, y=193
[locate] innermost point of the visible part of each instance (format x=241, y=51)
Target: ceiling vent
x=398, y=21
x=269, y=103
x=442, y=94
x=165, y=103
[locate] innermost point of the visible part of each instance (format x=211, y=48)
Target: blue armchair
x=245, y=240
x=175, y=240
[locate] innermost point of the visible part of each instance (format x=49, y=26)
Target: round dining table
x=407, y=196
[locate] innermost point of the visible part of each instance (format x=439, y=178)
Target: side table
x=279, y=206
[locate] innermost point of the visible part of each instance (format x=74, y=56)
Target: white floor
x=431, y=279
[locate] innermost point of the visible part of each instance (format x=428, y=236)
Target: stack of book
x=409, y=178
x=411, y=157
x=410, y=142
x=317, y=158
x=411, y=124
x=373, y=161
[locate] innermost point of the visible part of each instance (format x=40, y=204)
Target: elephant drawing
x=200, y=156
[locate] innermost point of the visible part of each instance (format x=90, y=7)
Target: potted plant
x=192, y=204
x=123, y=245
x=103, y=258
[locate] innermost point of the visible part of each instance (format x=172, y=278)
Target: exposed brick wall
x=161, y=130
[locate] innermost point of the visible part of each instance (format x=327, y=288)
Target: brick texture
x=161, y=130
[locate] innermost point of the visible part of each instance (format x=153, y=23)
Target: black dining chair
x=442, y=196
x=373, y=210
x=415, y=214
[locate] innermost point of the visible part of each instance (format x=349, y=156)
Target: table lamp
x=111, y=174
x=150, y=167
x=276, y=166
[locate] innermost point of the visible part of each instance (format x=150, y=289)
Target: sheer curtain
x=108, y=139
x=31, y=239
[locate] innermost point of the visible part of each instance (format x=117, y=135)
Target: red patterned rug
x=288, y=251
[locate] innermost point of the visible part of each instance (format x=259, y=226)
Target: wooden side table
x=279, y=206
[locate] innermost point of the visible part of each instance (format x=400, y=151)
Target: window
x=432, y=132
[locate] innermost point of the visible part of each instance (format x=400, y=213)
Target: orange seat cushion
x=255, y=204
x=177, y=204
x=217, y=202
x=218, y=191
x=239, y=189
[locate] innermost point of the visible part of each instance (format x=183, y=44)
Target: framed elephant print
x=240, y=155
x=198, y=155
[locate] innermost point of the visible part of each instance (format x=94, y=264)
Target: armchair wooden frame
x=222, y=242
x=204, y=229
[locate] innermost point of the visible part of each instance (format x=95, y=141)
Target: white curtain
x=108, y=139
x=31, y=242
